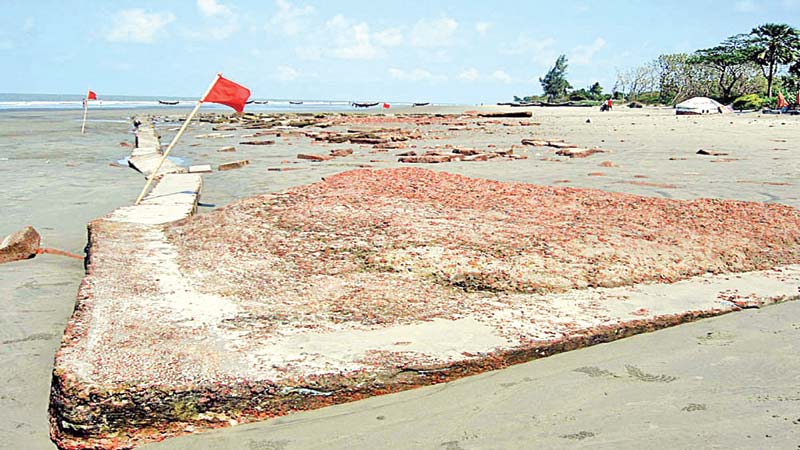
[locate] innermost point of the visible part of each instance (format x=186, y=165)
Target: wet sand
x=723, y=383
x=58, y=180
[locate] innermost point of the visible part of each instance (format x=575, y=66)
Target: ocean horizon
x=21, y=101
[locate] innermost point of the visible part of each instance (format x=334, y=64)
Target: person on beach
x=609, y=104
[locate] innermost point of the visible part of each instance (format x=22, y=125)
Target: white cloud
x=744, y=6
x=286, y=73
x=389, y=38
x=28, y=24
x=415, y=75
x=483, y=27
x=428, y=33
x=541, y=50
x=222, y=21
x=343, y=38
x=136, y=25
x=351, y=40
x=470, y=74
x=211, y=8
x=291, y=19
x=502, y=76
x=583, y=54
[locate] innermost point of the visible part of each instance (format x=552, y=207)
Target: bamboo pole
x=175, y=140
x=85, y=110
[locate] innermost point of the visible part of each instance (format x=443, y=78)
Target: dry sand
x=748, y=385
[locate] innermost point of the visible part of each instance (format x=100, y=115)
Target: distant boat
x=364, y=105
x=518, y=104
x=166, y=102
x=422, y=104
x=295, y=103
x=260, y=102
x=249, y=102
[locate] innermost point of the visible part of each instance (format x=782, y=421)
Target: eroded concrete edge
x=147, y=153
x=88, y=416
x=174, y=197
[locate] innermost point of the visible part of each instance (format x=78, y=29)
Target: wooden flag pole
x=175, y=140
x=85, y=110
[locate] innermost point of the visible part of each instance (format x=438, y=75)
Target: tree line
x=748, y=68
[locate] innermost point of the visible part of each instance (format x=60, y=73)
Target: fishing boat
x=168, y=102
x=260, y=102
x=364, y=105
x=295, y=102
x=422, y=104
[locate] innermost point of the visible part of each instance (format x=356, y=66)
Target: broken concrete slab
x=313, y=157
x=233, y=165
x=22, y=244
x=200, y=168
x=147, y=154
x=579, y=152
x=359, y=286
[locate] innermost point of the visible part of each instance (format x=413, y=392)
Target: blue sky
x=447, y=51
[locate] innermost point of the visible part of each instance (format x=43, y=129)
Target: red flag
x=228, y=93
x=91, y=96
x=386, y=106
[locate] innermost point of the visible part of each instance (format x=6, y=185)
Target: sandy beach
x=721, y=369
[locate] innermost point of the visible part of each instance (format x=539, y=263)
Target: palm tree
x=774, y=44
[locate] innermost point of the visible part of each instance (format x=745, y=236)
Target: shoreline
x=646, y=145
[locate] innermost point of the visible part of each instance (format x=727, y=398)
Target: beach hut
x=699, y=105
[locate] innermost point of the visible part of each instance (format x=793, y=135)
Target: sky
x=453, y=51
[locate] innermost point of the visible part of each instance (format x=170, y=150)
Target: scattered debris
x=200, y=168
x=315, y=158
x=22, y=244
x=711, y=153
x=507, y=114
x=341, y=152
x=233, y=165
x=579, y=153
x=266, y=142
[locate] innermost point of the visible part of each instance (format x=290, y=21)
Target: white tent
x=700, y=105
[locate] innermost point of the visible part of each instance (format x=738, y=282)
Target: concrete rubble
x=22, y=244
x=377, y=281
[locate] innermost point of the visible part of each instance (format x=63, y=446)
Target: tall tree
x=596, y=90
x=554, y=83
x=731, y=61
x=772, y=45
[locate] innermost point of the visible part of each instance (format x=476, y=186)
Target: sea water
x=68, y=101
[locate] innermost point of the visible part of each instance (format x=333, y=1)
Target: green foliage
x=771, y=45
x=731, y=62
x=749, y=101
x=650, y=98
x=580, y=94
x=554, y=83
x=790, y=83
x=596, y=90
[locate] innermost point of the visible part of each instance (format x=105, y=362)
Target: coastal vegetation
x=747, y=70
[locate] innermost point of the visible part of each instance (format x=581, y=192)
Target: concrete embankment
x=166, y=341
